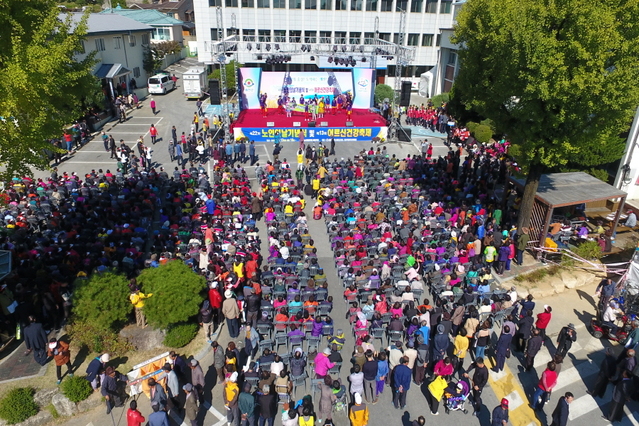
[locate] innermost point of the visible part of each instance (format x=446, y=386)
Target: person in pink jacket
x=322, y=364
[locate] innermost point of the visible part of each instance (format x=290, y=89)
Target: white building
x=345, y=24
x=119, y=42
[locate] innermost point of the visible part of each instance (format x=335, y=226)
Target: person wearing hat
x=137, y=300
x=109, y=388
x=158, y=417
x=500, y=414
x=190, y=404
x=358, y=414
x=197, y=378
x=231, y=396
x=95, y=370
x=157, y=395
x=566, y=336
x=61, y=354
x=231, y=312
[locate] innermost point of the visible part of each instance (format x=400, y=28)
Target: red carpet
x=359, y=117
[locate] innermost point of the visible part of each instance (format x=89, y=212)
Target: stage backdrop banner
x=359, y=82
x=318, y=134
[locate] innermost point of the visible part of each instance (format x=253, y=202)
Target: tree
x=102, y=299
x=176, y=293
x=43, y=87
x=155, y=54
x=383, y=91
x=230, y=75
x=560, y=77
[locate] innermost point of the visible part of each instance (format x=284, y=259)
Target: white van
x=160, y=84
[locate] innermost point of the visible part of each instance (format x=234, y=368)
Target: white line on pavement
x=268, y=155
x=177, y=420
x=213, y=411
x=576, y=374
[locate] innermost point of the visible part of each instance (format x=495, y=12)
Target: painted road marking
x=213, y=411
x=576, y=374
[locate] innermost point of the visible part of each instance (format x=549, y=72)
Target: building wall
x=348, y=21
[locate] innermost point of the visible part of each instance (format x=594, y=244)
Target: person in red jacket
x=133, y=416
x=215, y=298
x=542, y=321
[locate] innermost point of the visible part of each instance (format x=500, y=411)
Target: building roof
x=168, y=5
x=145, y=16
x=569, y=189
x=111, y=70
x=108, y=23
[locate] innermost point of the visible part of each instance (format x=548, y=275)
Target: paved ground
x=572, y=306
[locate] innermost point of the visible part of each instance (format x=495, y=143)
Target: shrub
x=176, y=293
x=483, y=133
x=76, y=388
x=440, y=99
x=383, y=91
x=589, y=250
x=18, y=405
x=488, y=122
x=98, y=339
x=180, y=335
x=102, y=299
x=472, y=126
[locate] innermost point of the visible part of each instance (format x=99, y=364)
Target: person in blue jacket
x=401, y=383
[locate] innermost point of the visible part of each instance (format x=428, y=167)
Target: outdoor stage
x=365, y=126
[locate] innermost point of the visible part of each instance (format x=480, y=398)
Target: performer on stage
x=307, y=112
x=349, y=111
x=289, y=109
x=334, y=106
x=340, y=102
x=263, y=97
x=301, y=99
x=320, y=108
x=314, y=110
x=280, y=105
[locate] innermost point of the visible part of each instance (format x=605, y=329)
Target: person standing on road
x=179, y=154
x=112, y=146
x=133, y=416
x=196, y=122
x=199, y=107
x=252, y=155
x=246, y=403
x=500, y=414
x=543, y=319
x=479, y=380
x=546, y=384
x=524, y=330
x=152, y=105
x=562, y=410
x=174, y=134
x=197, y=379
x=158, y=417
x=358, y=413
x=532, y=349
x=370, y=374
x=620, y=395
x=567, y=335
x=218, y=361
x=231, y=397
x=61, y=354
x=522, y=241
x=502, y=350
x=231, y=312
x=35, y=339
x=154, y=134
x=172, y=150
x=190, y=404
x=606, y=374
x=105, y=141
x=401, y=383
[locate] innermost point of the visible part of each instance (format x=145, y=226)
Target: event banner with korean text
x=316, y=134
x=304, y=86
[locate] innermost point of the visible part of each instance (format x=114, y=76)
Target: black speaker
x=214, y=92
x=404, y=97
x=311, y=124
x=404, y=134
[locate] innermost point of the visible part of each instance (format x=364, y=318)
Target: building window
x=340, y=37
x=248, y=35
x=387, y=5
x=326, y=4
x=215, y=3
x=341, y=4
x=438, y=39
x=384, y=36
x=354, y=38
x=413, y=40
x=325, y=37
x=431, y=6
x=230, y=3
x=279, y=4
x=280, y=36
x=163, y=34
x=294, y=4
x=416, y=6
x=371, y=5
x=295, y=36
x=310, y=4
x=214, y=34
x=452, y=58
x=356, y=4
x=396, y=39
x=264, y=36
x=263, y=4
x=445, y=6
x=401, y=5
x=310, y=37
x=427, y=40
x=369, y=38
x=248, y=3
x=131, y=40
x=99, y=45
x=136, y=72
x=145, y=39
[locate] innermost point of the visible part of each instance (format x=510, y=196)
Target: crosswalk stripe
x=177, y=420
x=576, y=374
x=581, y=406
x=213, y=411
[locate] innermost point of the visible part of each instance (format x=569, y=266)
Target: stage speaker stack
x=404, y=97
x=311, y=124
x=404, y=134
x=349, y=124
x=214, y=92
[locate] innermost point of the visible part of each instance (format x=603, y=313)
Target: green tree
x=154, y=54
x=229, y=73
x=383, y=91
x=43, y=86
x=176, y=293
x=560, y=77
x=102, y=299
